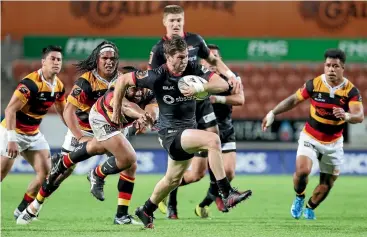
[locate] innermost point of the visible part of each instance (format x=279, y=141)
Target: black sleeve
x=204, y=51
x=354, y=95
x=156, y=57
x=147, y=78
x=81, y=87
x=30, y=85
x=200, y=71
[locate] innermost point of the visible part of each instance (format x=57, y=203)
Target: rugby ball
x=191, y=80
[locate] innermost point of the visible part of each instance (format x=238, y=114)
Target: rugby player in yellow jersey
x=335, y=101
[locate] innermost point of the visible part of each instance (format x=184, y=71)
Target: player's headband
x=107, y=48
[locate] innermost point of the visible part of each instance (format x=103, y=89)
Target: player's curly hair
x=174, y=45
x=90, y=63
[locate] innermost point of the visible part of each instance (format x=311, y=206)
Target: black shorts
x=170, y=140
x=228, y=140
x=205, y=116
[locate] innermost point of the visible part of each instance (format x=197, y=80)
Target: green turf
x=72, y=211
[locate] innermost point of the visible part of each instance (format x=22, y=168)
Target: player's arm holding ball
x=215, y=85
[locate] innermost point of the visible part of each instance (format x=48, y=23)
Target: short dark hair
x=174, y=45
x=172, y=9
x=49, y=49
x=336, y=54
x=128, y=69
x=214, y=47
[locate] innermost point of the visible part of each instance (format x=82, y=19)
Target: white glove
x=270, y=118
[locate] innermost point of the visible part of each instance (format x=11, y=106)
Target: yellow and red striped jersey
x=139, y=96
x=37, y=97
x=322, y=124
x=85, y=92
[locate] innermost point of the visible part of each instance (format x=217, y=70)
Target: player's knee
x=303, y=170
x=214, y=142
x=131, y=171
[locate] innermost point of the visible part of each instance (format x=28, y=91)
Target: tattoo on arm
x=286, y=105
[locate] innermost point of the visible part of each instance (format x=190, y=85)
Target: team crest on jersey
x=141, y=74
x=24, y=90
x=76, y=91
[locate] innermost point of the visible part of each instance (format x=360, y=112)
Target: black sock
x=224, y=186
x=301, y=187
x=206, y=202
x=150, y=207
x=79, y=154
x=311, y=205
x=125, y=187
x=213, y=189
x=27, y=199
x=172, y=201
x=110, y=166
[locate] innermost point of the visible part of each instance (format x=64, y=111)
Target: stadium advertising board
x=233, y=49
x=248, y=162
x=280, y=131
x=217, y=18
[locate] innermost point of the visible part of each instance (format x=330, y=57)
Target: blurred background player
x=173, y=20
x=19, y=131
x=177, y=123
x=222, y=105
x=335, y=101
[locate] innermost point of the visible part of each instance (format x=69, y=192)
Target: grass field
x=72, y=211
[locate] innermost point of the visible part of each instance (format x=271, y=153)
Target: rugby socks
x=45, y=191
x=311, y=205
x=172, y=200
x=150, y=207
x=79, y=154
x=206, y=202
x=224, y=186
x=27, y=199
x=125, y=187
x=213, y=189
x=300, y=188
x=107, y=168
